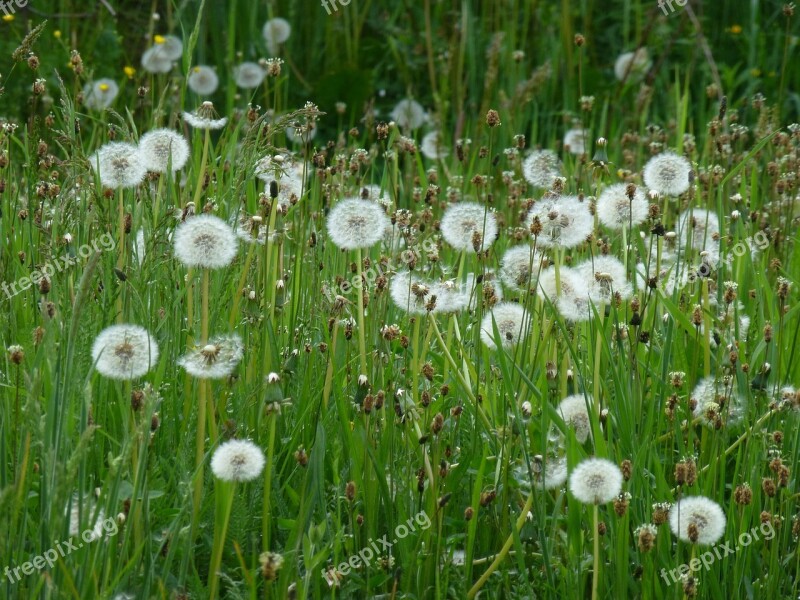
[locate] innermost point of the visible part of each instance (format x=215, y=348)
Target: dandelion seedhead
x=216, y=359
x=595, y=481
x=276, y=31
x=409, y=115
x=632, y=66
x=469, y=227
x=520, y=268
x=575, y=141
x=550, y=473
x=510, y=319
x=572, y=410
x=99, y=94
x=203, y=80
x=668, y=174
x=119, y=165
x=161, y=149
x=205, y=117
x=237, y=460
x=249, y=75
x=124, y=352
x=565, y=221
x=431, y=146
x=356, y=223
x=617, y=209
x=205, y=241
x=697, y=520
x=541, y=168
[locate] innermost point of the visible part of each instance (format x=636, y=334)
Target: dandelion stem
x=504, y=551
x=464, y=383
x=362, y=345
x=326, y=392
x=267, y=508
x=202, y=172
x=596, y=552
x=121, y=257
x=224, y=504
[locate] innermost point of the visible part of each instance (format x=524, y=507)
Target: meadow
x=414, y=299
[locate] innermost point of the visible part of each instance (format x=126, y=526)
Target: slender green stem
x=362, y=345
x=504, y=551
x=596, y=552
x=224, y=504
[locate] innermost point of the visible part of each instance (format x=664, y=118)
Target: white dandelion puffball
x=409, y=114
x=595, y=481
x=451, y=297
x=288, y=174
x=573, y=302
x=205, y=117
x=632, y=66
x=575, y=141
x=168, y=47
x=237, y=460
x=249, y=75
x=566, y=221
x=276, y=31
x=551, y=474
x=698, y=228
x=99, y=94
x=203, y=80
x=162, y=148
x=616, y=210
x=668, y=174
x=468, y=226
x=702, y=515
x=714, y=401
x=154, y=61
x=520, y=268
x=510, y=319
x=89, y=507
x=540, y=168
x=205, y=241
x=216, y=359
x=431, y=146
x=574, y=413
x=605, y=277
x=303, y=135
x=488, y=286
x=356, y=223
x=124, y=352
x=410, y=294
x=119, y=165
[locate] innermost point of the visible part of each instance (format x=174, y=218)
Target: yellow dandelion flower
x=8, y=18
x=735, y=29
x=159, y=39
x=57, y=34
x=129, y=72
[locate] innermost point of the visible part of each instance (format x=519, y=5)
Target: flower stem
x=504, y=551
x=596, y=567
x=121, y=257
x=224, y=504
x=266, y=516
x=362, y=345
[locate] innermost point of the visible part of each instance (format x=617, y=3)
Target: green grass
x=339, y=478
